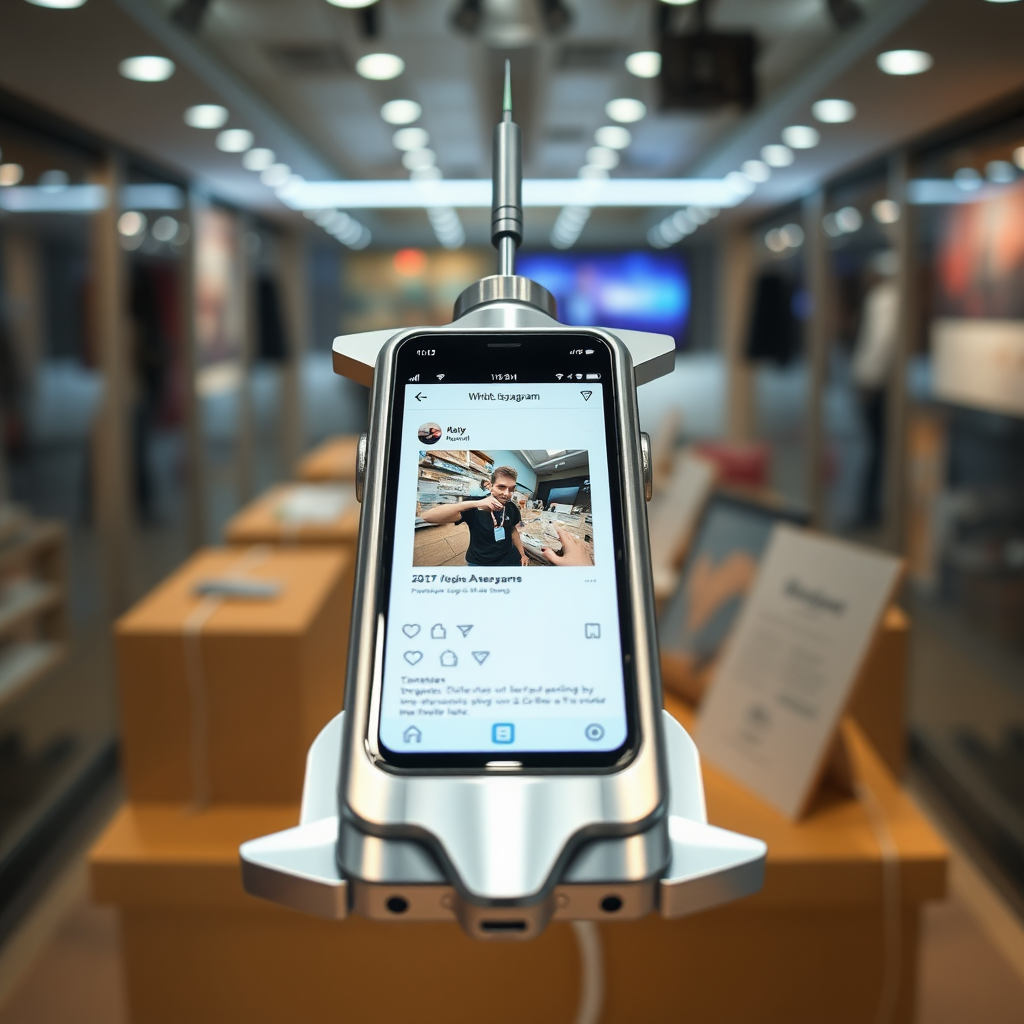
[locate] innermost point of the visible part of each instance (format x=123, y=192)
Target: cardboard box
x=298, y=514
x=334, y=459
x=808, y=948
x=221, y=697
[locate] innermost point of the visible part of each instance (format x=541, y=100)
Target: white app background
x=503, y=658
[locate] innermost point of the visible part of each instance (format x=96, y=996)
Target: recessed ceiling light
x=351, y=4
x=11, y=174
x=426, y=174
x=417, y=159
x=1002, y=1
x=146, y=69
x=967, y=178
x=678, y=3
x=380, y=67
x=739, y=183
x=777, y=155
x=904, y=62
x=53, y=181
x=848, y=219
x=756, y=170
x=206, y=115
x=886, y=211
x=131, y=223
x=276, y=175
x=410, y=138
x=625, y=110
x=165, y=228
x=1000, y=171
x=258, y=159
x=601, y=156
x=801, y=136
x=613, y=136
x=401, y=111
x=644, y=64
x=235, y=140
x=834, y=111
x=792, y=235
x=61, y=5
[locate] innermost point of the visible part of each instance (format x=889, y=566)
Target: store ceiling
x=285, y=68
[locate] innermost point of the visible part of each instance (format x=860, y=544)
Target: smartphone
x=505, y=635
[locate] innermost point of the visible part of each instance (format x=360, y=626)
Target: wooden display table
x=334, y=459
x=276, y=518
x=809, y=948
x=221, y=698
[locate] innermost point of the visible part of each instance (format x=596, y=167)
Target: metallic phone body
x=502, y=850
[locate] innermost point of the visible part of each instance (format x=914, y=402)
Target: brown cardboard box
x=334, y=459
x=263, y=522
x=810, y=947
x=228, y=712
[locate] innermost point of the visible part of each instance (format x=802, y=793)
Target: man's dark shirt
x=483, y=548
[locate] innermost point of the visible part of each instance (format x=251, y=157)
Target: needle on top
x=506, y=107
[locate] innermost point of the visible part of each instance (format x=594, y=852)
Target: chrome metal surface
x=507, y=197
x=361, y=467
x=680, y=866
x=505, y=288
x=355, y=355
x=506, y=256
x=645, y=458
x=500, y=838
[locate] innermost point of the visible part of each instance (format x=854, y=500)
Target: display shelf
x=24, y=663
x=26, y=599
x=33, y=605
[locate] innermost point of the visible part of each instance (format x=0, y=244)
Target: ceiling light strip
x=537, y=192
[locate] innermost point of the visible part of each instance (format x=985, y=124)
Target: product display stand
x=813, y=941
x=334, y=459
x=277, y=517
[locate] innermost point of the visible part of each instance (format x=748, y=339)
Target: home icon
x=412, y=735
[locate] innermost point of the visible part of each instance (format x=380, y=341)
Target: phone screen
x=503, y=585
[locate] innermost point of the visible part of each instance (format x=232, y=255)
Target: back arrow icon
x=420, y=396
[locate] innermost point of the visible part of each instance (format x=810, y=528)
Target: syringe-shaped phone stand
x=502, y=852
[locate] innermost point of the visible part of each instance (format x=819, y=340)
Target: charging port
x=503, y=926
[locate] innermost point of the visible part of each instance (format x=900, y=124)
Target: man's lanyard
x=499, y=530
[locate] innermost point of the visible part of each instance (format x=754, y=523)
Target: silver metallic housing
x=500, y=839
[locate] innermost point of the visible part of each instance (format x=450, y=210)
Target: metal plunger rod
x=507, y=199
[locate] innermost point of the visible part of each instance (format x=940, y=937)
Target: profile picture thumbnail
x=504, y=508
x=429, y=433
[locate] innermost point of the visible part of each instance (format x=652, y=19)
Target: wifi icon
x=559, y=375
x=440, y=376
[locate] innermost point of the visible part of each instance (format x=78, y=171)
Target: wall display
x=979, y=363
x=720, y=568
x=787, y=673
x=640, y=291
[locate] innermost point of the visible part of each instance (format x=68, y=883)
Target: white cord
x=588, y=939
x=199, y=711
x=892, y=909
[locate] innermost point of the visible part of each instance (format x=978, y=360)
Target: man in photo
x=493, y=522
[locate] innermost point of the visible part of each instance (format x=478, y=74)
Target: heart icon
x=411, y=630
x=413, y=657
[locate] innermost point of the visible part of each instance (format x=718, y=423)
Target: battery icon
x=593, y=376
x=589, y=352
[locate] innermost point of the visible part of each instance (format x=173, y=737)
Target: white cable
x=892, y=924
x=588, y=939
x=199, y=711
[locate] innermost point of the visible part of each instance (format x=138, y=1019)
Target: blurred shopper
x=873, y=354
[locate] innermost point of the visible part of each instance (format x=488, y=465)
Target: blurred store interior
x=821, y=201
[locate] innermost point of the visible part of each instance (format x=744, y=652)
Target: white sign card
x=788, y=670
